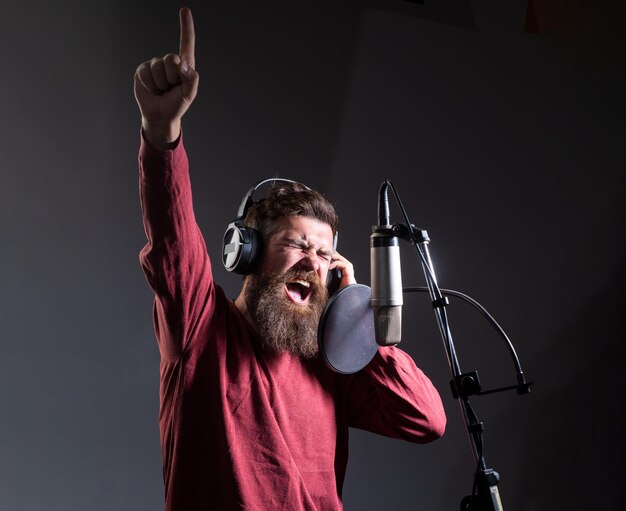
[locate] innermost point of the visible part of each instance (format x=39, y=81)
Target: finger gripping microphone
x=386, y=276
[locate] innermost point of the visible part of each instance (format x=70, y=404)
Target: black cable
x=484, y=312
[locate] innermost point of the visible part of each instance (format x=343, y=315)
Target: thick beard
x=283, y=325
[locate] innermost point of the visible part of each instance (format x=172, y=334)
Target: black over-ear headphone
x=242, y=246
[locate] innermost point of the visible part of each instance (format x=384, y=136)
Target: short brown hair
x=289, y=199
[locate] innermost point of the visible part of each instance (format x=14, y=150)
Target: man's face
x=287, y=295
x=301, y=243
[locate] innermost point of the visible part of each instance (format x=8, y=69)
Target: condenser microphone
x=386, y=276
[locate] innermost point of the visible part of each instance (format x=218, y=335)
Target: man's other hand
x=347, y=270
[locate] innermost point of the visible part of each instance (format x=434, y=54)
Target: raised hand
x=347, y=270
x=165, y=87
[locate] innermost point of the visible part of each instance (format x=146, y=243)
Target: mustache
x=310, y=276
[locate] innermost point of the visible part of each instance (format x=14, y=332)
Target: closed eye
x=327, y=256
x=305, y=247
x=298, y=245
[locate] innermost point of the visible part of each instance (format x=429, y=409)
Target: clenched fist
x=165, y=87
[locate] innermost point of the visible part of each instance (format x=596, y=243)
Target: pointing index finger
x=187, y=38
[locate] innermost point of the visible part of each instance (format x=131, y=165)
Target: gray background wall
x=506, y=146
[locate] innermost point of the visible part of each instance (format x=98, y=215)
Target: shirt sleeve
x=174, y=260
x=393, y=397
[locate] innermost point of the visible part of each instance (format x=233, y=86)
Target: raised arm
x=166, y=86
x=175, y=259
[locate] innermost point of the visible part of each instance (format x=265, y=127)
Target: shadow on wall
x=568, y=449
x=578, y=424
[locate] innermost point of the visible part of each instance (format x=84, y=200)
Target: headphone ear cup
x=241, y=248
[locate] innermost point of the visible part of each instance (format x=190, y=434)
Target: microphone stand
x=485, y=495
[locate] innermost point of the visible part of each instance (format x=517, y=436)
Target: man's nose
x=310, y=261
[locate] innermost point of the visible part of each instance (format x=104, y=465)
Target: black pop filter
x=345, y=333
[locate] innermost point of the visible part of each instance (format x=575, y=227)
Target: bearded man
x=250, y=417
x=286, y=296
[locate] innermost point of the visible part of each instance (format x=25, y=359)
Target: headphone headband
x=247, y=201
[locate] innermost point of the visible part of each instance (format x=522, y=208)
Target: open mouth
x=298, y=291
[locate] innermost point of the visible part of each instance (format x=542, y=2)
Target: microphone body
x=386, y=280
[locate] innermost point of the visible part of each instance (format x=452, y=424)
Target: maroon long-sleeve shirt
x=243, y=428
